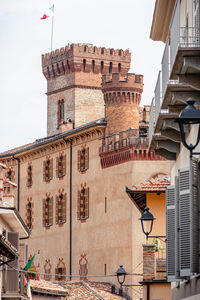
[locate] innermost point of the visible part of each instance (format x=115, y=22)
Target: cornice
x=73, y=86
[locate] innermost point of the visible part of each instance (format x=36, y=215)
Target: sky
x=24, y=38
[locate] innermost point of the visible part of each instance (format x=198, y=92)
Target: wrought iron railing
x=151, y=120
x=160, y=256
x=158, y=96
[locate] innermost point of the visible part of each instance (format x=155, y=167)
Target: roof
x=7, y=249
x=52, y=138
x=47, y=287
x=157, y=184
x=75, y=290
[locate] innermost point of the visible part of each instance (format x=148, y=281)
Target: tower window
x=68, y=65
x=61, y=209
x=84, y=65
x=10, y=175
x=83, y=159
x=48, y=212
x=111, y=51
x=47, y=270
x=48, y=170
x=60, y=111
x=93, y=66
x=83, y=204
x=110, y=68
x=102, y=66
x=119, y=67
x=61, y=166
x=29, y=176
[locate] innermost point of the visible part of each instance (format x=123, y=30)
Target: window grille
x=61, y=209
x=48, y=170
x=48, y=212
x=61, y=166
x=83, y=204
x=29, y=176
x=83, y=159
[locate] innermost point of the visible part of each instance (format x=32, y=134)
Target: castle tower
x=122, y=95
x=74, y=88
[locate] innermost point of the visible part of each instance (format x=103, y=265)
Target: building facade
x=177, y=24
x=71, y=184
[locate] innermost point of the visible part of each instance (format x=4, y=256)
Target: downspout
x=70, y=210
x=148, y=291
x=18, y=180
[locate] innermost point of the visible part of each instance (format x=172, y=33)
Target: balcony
x=160, y=257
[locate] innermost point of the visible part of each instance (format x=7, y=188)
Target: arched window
x=93, y=66
x=61, y=209
x=83, y=204
x=60, y=270
x=84, y=64
x=61, y=113
x=110, y=68
x=83, y=267
x=61, y=166
x=48, y=169
x=47, y=270
x=102, y=66
x=119, y=67
x=29, y=176
x=48, y=212
x=29, y=214
x=83, y=159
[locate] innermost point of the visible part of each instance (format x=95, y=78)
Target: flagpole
x=52, y=33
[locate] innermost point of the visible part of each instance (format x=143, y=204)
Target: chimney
x=149, y=262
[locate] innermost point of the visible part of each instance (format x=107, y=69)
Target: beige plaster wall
x=160, y=291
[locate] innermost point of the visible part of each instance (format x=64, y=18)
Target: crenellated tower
x=122, y=95
x=74, y=83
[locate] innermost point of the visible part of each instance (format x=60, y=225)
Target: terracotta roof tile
x=48, y=286
x=157, y=183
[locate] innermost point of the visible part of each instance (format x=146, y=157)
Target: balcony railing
x=165, y=68
x=151, y=120
x=160, y=257
x=158, y=97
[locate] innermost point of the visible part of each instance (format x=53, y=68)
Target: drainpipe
x=70, y=210
x=18, y=180
x=148, y=291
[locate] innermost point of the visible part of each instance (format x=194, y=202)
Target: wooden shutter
x=87, y=158
x=57, y=199
x=64, y=165
x=79, y=205
x=44, y=213
x=12, y=284
x=170, y=220
x=79, y=160
x=51, y=211
x=57, y=160
x=87, y=203
x=64, y=205
x=188, y=220
x=44, y=170
x=51, y=169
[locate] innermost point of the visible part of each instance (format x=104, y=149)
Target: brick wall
x=149, y=267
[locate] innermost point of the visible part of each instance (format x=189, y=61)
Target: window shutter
x=51, y=168
x=177, y=267
x=51, y=211
x=57, y=159
x=188, y=220
x=57, y=199
x=79, y=205
x=44, y=202
x=64, y=207
x=12, y=283
x=87, y=158
x=64, y=165
x=170, y=220
x=194, y=171
x=87, y=203
x=44, y=170
x=184, y=222
x=79, y=160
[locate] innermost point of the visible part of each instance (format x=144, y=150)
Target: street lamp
x=121, y=275
x=147, y=222
x=189, y=115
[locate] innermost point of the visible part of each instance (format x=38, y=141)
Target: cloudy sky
x=24, y=37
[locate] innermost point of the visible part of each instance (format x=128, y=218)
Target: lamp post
x=121, y=276
x=189, y=115
x=147, y=222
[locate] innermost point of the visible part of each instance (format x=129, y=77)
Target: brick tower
x=122, y=97
x=74, y=87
